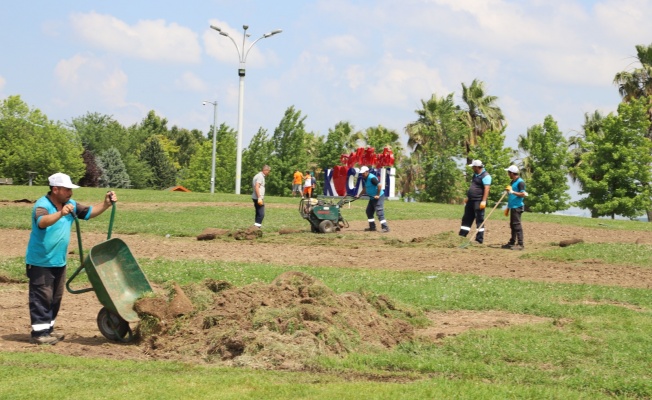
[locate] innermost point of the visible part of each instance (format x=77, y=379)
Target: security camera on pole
x=242, y=57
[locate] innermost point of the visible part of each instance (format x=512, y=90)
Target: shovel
x=465, y=245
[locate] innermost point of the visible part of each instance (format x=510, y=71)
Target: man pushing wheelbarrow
x=52, y=217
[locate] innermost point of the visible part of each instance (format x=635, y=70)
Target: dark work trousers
x=376, y=206
x=45, y=292
x=515, y=225
x=472, y=212
x=260, y=214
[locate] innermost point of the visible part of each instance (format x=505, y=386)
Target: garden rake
x=465, y=245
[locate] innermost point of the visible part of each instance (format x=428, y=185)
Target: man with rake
x=476, y=201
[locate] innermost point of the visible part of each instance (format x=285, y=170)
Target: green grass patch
x=585, y=350
x=78, y=377
x=610, y=253
x=282, y=212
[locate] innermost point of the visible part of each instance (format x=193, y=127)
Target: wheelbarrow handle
x=81, y=261
x=108, y=236
x=74, y=274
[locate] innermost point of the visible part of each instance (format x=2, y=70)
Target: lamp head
x=272, y=33
x=203, y=103
x=245, y=27
x=217, y=28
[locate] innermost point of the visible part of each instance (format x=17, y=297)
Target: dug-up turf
x=281, y=325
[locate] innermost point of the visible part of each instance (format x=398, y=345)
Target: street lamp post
x=242, y=58
x=214, y=135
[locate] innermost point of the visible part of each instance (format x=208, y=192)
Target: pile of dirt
x=281, y=325
x=212, y=233
x=250, y=233
x=447, y=239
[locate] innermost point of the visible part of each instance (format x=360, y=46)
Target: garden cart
x=324, y=215
x=116, y=279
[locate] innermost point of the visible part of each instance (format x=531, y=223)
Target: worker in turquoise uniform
x=374, y=189
x=47, y=250
x=515, y=207
x=476, y=201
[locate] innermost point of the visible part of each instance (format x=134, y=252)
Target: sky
x=368, y=62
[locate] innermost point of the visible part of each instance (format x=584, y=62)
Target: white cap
x=513, y=169
x=364, y=169
x=61, y=180
x=476, y=163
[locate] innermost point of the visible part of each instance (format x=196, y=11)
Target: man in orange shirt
x=296, y=182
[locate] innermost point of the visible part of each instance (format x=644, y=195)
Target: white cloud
x=400, y=82
x=190, y=82
x=2, y=83
x=356, y=76
x=147, y=39
x=343, y=45
x=83, y=75
x=625, y=20
x=562, y=43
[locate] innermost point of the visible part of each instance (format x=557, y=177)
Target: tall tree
x=380, y=137
x=614, y=170
x=254, y=157
x=225, y=155
x=592, y=123
x=407, y=180
x=338, y=142
x=481, y=113
x=93, y=172
x=637, y=83
x=99, y=132
x=197, y=177
x=289, y=152
x=188, y=142
x=163, y=172
x=435, y=137
x=29, y=142
x=139, y=171
x=546, y=169
x=114, y=172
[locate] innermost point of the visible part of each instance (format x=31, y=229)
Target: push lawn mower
x=324, y=215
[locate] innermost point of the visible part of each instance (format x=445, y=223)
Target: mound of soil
x=279, y=325
x=250, y=233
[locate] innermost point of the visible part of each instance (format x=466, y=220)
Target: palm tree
x=380, y=137
x=408, y=179
x=482, y=113
x=576, y=143
x=637, y=83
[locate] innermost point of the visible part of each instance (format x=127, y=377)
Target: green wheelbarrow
x=116, y=279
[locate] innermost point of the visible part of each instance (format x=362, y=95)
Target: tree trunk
x=649, y=215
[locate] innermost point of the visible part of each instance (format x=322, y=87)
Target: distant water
x=579, y=212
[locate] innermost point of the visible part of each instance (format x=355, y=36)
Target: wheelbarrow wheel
x=112, y=326
x=326, y=226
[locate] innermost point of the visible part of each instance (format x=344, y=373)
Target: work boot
x=59, y=335
x=372, y=227
x=507, y=245
x=46, y=339
x=385, y=228
x=518, y=247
